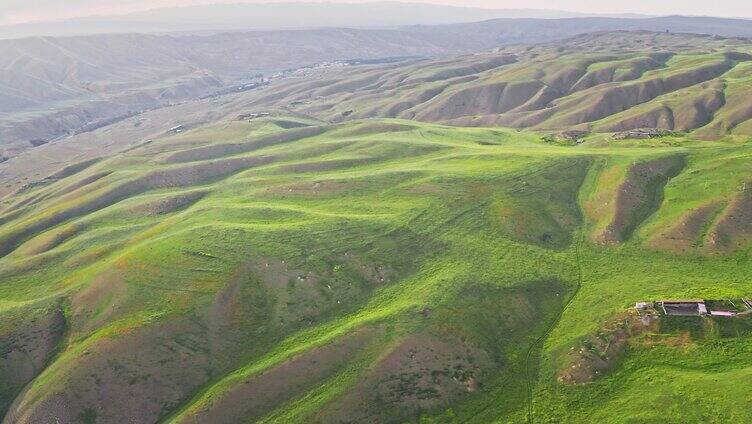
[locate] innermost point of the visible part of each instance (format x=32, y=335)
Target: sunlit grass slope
x=288, y=270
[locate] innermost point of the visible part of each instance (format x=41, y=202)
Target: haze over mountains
x=265, y=16
x=588, y=83
x=54, y=87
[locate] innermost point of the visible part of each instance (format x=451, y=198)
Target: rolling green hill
x=600, y=83
x=286, y=269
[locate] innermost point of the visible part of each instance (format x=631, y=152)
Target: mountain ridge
x=96, y=80
x=291, y=15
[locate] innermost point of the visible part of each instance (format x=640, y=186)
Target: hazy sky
x=19, y=11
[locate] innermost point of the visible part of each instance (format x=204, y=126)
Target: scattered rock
x=642, y=134
x=599, y=351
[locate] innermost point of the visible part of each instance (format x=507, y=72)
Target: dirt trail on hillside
x=530, y=356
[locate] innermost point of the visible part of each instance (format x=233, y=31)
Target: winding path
x=529, y=356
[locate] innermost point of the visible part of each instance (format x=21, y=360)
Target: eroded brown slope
x=638, y=196
x=689, y=233
x=733, y=229
x=630, y=80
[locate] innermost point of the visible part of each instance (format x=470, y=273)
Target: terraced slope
x=287, y=269
x=600, y=83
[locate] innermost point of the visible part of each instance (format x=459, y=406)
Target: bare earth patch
x=424, y=372
x=599, y=352
x=260, y=394
x=733, y=230
x=638, y=196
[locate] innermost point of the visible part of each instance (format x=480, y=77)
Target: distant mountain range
x=54, y=87
x=292, y=15
x=609, y=82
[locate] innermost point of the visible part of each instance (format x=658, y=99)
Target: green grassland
x=594, y=83
x=371, y=271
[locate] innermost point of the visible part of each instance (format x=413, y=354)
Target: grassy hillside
x=289, y=269
x=597, y=83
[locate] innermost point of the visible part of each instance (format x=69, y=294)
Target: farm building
x=699, y=307
x=689, y=307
